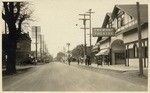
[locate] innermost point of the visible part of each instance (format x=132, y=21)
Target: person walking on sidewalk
x=69, y=59
x=78, y=60
x=88, y=60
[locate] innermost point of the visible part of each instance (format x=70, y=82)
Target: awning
x=95, y=48
x=103, y=52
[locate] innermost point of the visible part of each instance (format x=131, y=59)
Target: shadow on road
x=18, y=71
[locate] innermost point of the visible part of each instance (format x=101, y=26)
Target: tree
x=14, y=14
x=77, y=52
x=59, y=56
x=50, y=58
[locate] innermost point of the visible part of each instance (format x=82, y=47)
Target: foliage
x=59, y=56
x=18, y=14
x=50, y=57
x=77, y=52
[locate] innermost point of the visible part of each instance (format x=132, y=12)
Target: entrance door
x=120, y=58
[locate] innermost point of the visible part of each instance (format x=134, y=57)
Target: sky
x=58, y=19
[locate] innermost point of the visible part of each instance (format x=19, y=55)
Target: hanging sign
x=103, y=32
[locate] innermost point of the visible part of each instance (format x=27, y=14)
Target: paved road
x=62, y=77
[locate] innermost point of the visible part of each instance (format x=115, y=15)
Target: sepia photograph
x=74, y=46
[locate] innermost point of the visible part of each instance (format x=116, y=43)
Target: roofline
x=108, y=14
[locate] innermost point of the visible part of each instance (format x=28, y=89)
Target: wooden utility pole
x=36, y=41
x=41, y=46
x=68, y=44
x=90, y=12
x=36, y=34
x=139, y=40
x=84, y=23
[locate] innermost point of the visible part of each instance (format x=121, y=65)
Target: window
x=131, y=17
x=145, y=52
x=112, y=24
x=120, y=21
x=18, y=46
x=131, y=53
x=135, y=51
x=127, y=56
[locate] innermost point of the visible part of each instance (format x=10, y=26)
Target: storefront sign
x=103, y=32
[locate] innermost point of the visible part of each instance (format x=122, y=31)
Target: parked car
x=47, y=61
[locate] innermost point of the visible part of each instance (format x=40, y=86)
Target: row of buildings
x=123, y=47
x=23, y=49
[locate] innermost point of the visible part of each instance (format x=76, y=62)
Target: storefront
x=123, y=47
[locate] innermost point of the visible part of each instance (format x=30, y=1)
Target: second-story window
x=120, y=21
x=110, y=25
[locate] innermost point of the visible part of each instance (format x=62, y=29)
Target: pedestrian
x=85, y=58
x=88, y=60
x=35, y=61
x=69, y=59
x=78, y=61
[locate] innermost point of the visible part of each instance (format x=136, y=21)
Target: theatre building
x=122, y=48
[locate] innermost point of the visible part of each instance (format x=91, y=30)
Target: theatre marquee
x=103, y=32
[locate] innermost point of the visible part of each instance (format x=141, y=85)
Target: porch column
x=143, y=50
x=127, y=55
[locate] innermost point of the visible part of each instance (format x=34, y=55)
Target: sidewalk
x=24, y=67
x=119, y=68
x=21, y=67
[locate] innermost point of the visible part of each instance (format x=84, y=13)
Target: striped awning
x=103, y=52
x=95, y=48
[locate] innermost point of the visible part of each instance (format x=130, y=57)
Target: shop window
x=127, y=54
x=135, y=51
x=145, y=52
x=120, y=55
x=131, y=53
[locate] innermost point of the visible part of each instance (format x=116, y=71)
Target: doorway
x=117, y=52
x=120, y=58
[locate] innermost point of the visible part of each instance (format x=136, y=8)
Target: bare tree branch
x=3, y=16
x=6, y=8
x=11, y=8
x=16, y=15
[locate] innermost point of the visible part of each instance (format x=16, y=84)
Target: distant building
x=23, y=47
x=123, y=47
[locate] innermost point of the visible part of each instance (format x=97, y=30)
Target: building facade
x=123, y=47
x=23, y=47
